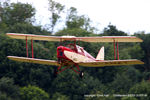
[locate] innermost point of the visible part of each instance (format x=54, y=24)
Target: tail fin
x=100, y=55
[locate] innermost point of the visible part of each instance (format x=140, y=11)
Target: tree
x=70, y=84
x=146, y=48
x=33, y=93
x=74, y=21
x=12, y=14
x=128, y=98
x=27, y=28
x=3, y=96
x=76, y=25
x=55, y=9
x=73, y=32
x=8, y=90
x=111, y=30
x=125, y=79
x=59, y=96
x=141, y=90
x=17, y=13
x=135, y=48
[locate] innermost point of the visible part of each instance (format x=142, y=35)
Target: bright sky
x=128, y=15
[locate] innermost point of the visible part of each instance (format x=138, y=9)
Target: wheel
x=81, y=74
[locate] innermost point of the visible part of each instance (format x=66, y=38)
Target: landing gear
x=59, y=70
x=81, y=74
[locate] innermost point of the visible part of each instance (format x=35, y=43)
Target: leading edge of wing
x=111, y=39
x=33, y=37
x=111, y=63
x=33, y=60
x=73, y=38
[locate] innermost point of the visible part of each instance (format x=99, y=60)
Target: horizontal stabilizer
x=33, y=60
x=111, y=63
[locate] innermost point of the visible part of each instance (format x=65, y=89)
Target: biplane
x=72, y=56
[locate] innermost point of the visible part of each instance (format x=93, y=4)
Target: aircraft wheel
x=81, y=74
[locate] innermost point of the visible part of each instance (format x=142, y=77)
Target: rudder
x=100, y=55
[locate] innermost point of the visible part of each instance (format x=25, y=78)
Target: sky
x=127, y=15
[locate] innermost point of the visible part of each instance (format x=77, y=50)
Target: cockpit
x=76, y=48
x=72, y=47
x=80, y=49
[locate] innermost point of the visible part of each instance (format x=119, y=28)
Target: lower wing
x=85, y=64
x=33, y=60
x=111, y=63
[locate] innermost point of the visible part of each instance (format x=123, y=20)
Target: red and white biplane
x=74, y=55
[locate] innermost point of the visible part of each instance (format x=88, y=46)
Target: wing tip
x=33, y=60
x=140, y=62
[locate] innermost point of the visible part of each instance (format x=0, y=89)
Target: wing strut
x=27, y=53
x=26, y=46
x=32, y=48
x=115, y=50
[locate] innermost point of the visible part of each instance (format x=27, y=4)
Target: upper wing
x=110, y=63
x=111, y=39
x=73, y=38
x=33, y=60
x=33, y=37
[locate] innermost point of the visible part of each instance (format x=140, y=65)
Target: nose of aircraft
x=60, y=53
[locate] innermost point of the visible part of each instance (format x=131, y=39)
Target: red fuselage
x=72, y=54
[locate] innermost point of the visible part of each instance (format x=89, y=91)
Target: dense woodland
x=25, y=81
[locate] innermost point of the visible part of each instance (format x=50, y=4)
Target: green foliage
x=146, y=48
x=18, y=17
x=3, y=96
x=58, y=96
x=121, y=83
x=8, y=90
x=111, y=30
x=17, y=13
x=136, y=51
x=141, y=90
x=3, y=27
x=125, y=79
x=73, y=86
x=27, y=28
x=75, y=21
x=55, y=9
x=74, y=32
x=33, y=93
x=129, y=98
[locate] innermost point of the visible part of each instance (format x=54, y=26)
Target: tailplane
x=100, y=55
